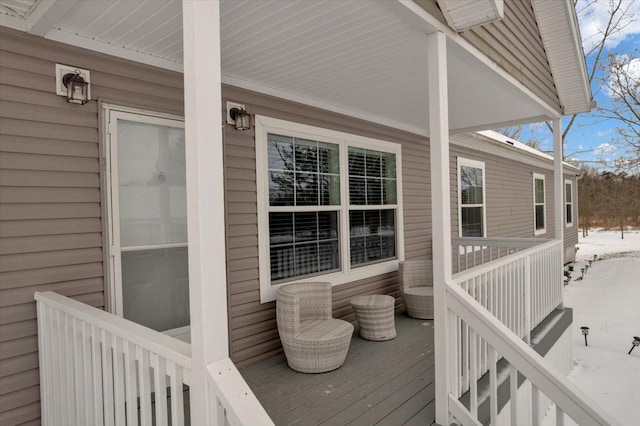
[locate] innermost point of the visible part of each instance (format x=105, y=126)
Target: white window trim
x=568, y=224
x=538, y=176
x=478, y=165
x=264, y=125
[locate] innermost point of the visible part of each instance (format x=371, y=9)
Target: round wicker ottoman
x=375, y=316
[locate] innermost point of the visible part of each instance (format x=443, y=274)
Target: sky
x=595, y=136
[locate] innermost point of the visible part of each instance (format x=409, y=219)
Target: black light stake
x=585, y=333
x=636, y=342
x=581, y=272
x=590, y=262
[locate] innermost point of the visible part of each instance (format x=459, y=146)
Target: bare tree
x=621, y=80
x=600, y=61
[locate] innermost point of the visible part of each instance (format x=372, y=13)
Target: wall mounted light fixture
x=238, y=116
x=73, y=83
x=77, y=88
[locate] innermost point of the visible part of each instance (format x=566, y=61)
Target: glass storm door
x=148, y=223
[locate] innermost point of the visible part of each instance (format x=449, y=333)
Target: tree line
x=608, y=199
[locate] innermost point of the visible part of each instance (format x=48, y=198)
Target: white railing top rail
x=556, y=387
x=165, y=346
x=491, y=265
x=498, y=242
x=241, y=405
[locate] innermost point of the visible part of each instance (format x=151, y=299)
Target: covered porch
x=392, y=64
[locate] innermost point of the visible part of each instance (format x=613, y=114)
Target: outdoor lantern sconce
x=241, y=117
x=77, y=88
x=585, y=333
x=636, y=342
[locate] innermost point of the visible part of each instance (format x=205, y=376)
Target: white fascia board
x=14, y=22
x=415, y=15
x=575, y=97
x=110, y=49
x=479, y=142
x=47, y=14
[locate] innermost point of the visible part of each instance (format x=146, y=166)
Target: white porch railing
x=99, y=369
x=469, y=252
x=490, y=309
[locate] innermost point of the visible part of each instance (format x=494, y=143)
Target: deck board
x=386, y=383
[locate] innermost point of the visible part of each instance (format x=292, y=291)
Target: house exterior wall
x=253, y=330
x=51, y=192
x=514, y=43
x=509, y=195
x=52, y=200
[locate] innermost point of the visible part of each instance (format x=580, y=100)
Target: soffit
x=560, y=34
x=354, y=57
x=18, y=8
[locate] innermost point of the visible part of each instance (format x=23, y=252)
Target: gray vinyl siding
x=51, y=199
x=509, y=196
x=253, y=331
x=513, y=43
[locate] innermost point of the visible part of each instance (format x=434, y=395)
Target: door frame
x=113, y=268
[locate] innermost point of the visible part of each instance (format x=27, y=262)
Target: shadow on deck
x=386, y=383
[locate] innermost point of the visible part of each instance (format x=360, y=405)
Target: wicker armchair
x=416, y=287
x=313, y=341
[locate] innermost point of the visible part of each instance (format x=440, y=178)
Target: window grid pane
x=372, y=236
x=303, y=243
x=305, y=172
x=372, y=177
x=302, y=172
x=539, y=217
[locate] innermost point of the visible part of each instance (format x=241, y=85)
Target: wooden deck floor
x=386, y=383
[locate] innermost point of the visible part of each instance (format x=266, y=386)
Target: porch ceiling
x=355, y=57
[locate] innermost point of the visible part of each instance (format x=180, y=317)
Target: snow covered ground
x=608, y=301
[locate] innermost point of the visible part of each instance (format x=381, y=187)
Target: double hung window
x=539, y=205
x=328, y=205
x=568, y=202
x=471, y=198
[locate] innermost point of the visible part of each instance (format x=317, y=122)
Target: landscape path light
x=636, y=342
x=581, y=273
x=590, y=262
x=585, y=333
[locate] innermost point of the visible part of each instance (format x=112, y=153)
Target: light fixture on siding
x=77, y=88
x=241, y=117
x=73, y=83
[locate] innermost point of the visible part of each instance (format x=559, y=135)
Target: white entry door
x=148, y=220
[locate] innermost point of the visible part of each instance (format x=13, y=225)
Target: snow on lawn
x=608, y=301
x=607, y=244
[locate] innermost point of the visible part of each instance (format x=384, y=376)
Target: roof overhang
x=462, y=15
x=363, y=59
x=558, y=23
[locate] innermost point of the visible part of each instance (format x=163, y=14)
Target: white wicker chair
x=416, y=287
x=313, y=341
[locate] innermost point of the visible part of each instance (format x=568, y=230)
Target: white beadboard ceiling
x=18, y=8
x=356, y=57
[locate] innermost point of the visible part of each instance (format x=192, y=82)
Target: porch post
x=440, y=212
x=558, y=190
x=205, y=198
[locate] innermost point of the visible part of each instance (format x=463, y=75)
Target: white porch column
x=205, y=198
x=440, y=212
x=558, y=191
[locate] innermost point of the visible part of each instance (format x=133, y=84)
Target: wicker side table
x=375, y=316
